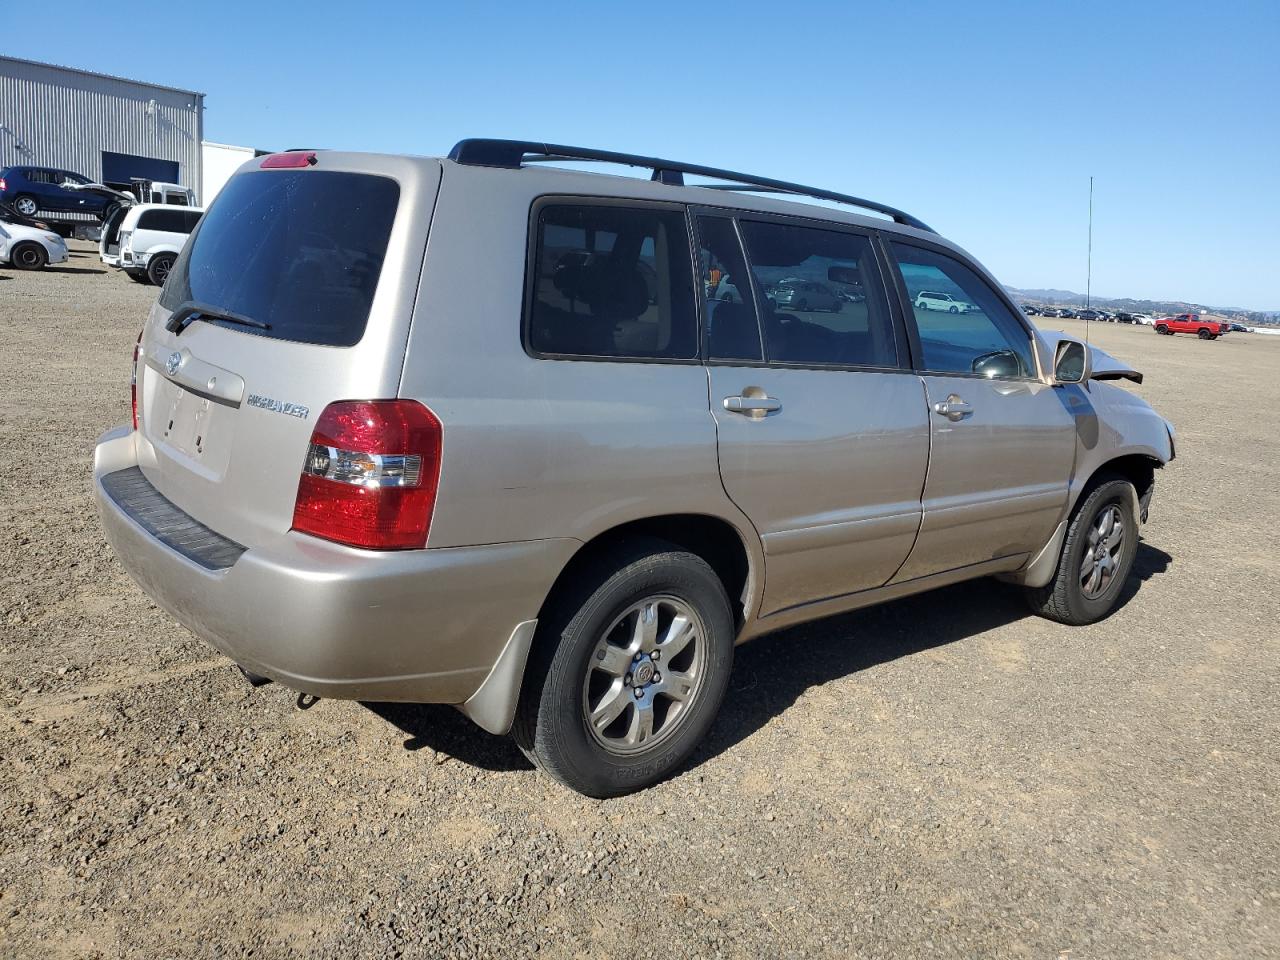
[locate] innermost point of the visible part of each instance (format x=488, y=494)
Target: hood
x=1107, y=367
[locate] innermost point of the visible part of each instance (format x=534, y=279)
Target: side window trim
x=531, y=274
x=696, y=213
x=913, y=332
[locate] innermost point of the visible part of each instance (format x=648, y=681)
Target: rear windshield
x=301, y=250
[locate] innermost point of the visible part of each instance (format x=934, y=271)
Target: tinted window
x=170, y=221
x=301, y=250
x=975, y=332
x=824, y=301
x=612, y=282
x=190, y=219
x=733, y=333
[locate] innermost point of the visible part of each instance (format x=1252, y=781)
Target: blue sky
x=984, y=119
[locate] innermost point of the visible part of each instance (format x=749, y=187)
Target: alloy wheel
x=644, y=674
x=1102, y=553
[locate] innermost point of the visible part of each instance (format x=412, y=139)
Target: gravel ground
x=941, y=776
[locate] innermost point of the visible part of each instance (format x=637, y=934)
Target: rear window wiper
x=189, y=312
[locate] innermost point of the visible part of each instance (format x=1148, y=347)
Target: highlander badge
x=173, y=363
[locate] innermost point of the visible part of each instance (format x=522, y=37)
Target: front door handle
x=953, y=408
x=752, y=405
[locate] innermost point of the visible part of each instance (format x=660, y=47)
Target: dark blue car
x=33, y=189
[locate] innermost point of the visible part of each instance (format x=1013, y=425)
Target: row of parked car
x=1117, y=316
x=1176, y=323
x=141, y=230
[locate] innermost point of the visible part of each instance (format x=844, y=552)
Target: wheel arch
x=1138, y=468
x=719, y=542
x=725, y=548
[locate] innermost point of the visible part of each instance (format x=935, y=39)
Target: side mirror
x=1071, y=362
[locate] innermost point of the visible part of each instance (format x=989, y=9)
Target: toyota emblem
x=173, y=363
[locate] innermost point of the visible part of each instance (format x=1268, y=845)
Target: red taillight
x=133, y=379
x=371, y=473
x=3, y=186
x=293, y=158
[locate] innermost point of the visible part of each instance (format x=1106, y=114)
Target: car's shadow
x=73, y=270
x=773, y=671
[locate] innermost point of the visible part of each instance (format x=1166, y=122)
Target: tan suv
x=472, y=431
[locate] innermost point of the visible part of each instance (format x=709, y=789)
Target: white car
x=30, y=248
x=151, y=237
x=932, y=300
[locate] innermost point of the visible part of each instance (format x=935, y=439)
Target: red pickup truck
x=1191, y=323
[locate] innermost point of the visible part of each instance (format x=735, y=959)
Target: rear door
x=823, y=436
x=1003, y=440
x=42, y=184
x=328, y=255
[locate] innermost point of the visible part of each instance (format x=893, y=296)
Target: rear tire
x=1097, y=555
x=579, y=718
x=1162, y=330
x=28, y=256
x=159, y=267
x=26, y=205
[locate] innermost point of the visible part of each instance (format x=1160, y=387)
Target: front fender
x=1111, y=423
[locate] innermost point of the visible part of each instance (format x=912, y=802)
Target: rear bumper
x=329, y=620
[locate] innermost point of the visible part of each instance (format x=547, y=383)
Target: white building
x=218, y=162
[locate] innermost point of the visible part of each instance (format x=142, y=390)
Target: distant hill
x=1068, y=298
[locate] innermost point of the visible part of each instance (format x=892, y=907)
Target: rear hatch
x=109, y=240
x=326, y=252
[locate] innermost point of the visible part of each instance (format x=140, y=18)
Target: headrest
x=611, y=289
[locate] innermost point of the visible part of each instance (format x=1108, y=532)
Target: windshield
x=300, y=250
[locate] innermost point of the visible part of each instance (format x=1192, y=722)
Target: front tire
x=1162, y=330
x=1097, y=555
x=28, y=256
x=628, y=671
x=954, y=310
x=137, y=276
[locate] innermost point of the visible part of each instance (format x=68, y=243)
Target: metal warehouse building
x=106, y=128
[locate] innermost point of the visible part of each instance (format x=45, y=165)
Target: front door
x=822, y=430
x=1003, y=440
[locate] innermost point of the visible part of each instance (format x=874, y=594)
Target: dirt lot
x=943, y=776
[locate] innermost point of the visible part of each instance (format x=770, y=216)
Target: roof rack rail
x=515, y=153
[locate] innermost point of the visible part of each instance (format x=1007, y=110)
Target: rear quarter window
x=301, y=250
x=611, y=282
x=170, y=221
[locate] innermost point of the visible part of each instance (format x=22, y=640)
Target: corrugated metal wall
x=63, y=118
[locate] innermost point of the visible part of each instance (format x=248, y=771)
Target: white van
x=151, y=237
x=932, y=300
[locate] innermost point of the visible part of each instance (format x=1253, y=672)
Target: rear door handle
x=750, y=405
x=953, y=408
